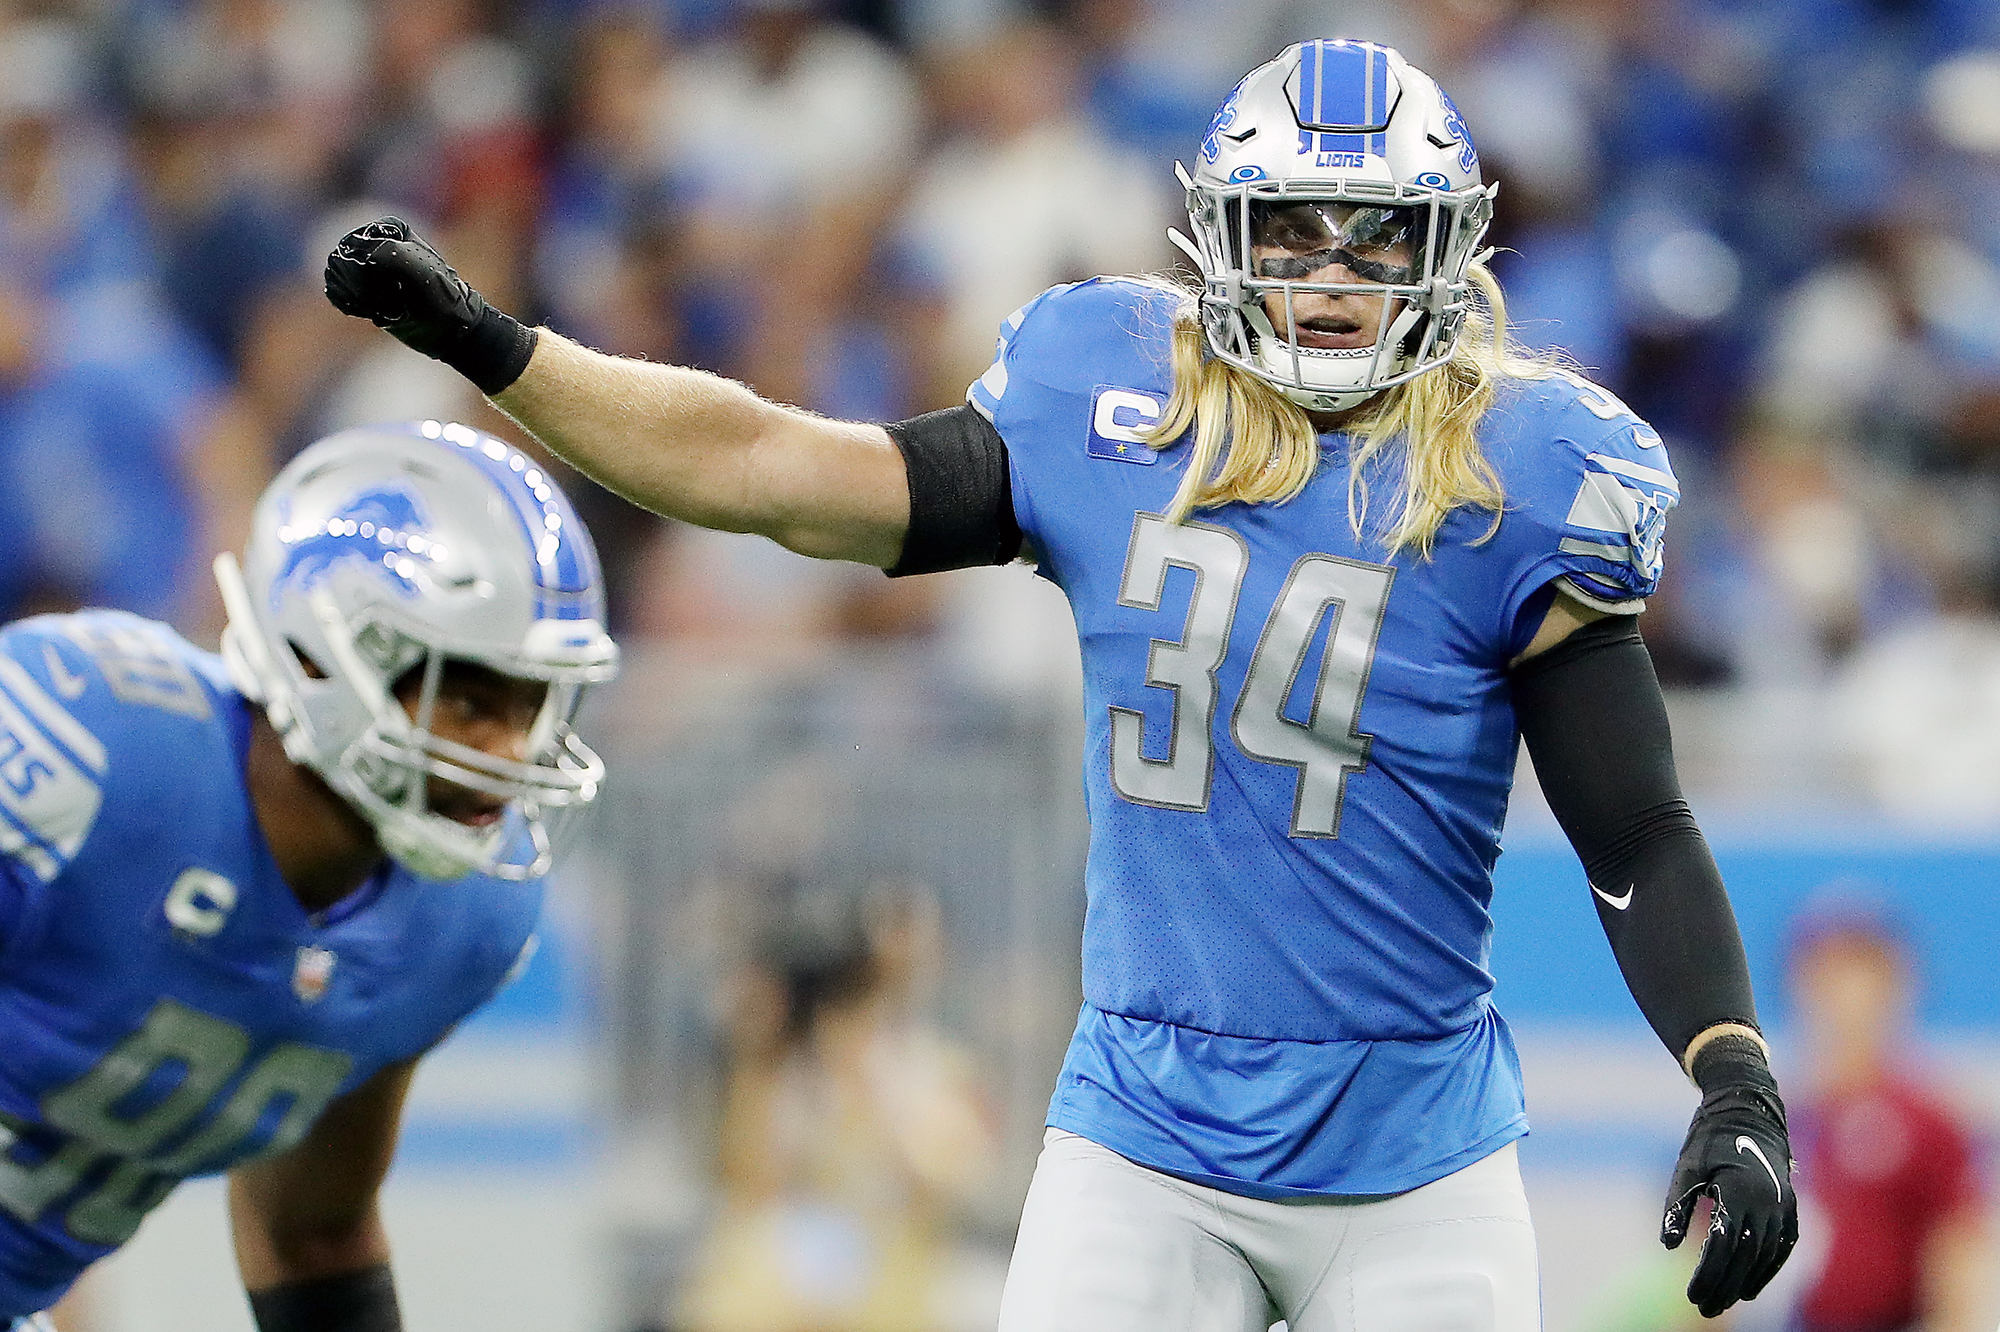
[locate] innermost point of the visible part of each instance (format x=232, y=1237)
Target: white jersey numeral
x=1327, y=747
x=1218, y=559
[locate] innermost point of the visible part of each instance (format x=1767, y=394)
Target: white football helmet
x=1337, y=152
x=388, y=550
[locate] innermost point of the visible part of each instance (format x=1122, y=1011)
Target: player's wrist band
x=493, y=352
x=359, y=1301
x=1728, y=1053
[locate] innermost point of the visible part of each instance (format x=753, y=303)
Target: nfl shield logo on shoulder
x=311, y=972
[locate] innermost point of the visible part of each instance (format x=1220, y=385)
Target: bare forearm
x=708, y=451
x=268, y=1254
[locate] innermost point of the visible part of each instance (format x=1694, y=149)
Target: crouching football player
x=240, y=896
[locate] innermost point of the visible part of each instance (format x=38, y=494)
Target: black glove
x=386, y=273
x=1739, y=1156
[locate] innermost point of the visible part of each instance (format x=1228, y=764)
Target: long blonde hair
x=1253, y=445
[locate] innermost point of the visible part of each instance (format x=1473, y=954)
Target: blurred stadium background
x=782, y=1058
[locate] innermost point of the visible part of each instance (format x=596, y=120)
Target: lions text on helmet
x=1335, y=205
x=392, y=572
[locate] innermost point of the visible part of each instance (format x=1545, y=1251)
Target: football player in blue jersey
x=1334, y=547
x=240, y=896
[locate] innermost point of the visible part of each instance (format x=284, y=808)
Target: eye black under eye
x=1285, y=269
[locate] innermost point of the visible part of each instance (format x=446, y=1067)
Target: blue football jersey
x=1297, y=760
x=167, y=1007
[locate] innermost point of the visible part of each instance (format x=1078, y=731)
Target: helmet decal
x=1225, y=116
x=1454, y=125
x=383, y=526
x=1343, y=101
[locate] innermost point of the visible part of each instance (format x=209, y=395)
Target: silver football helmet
x=1335, y=153
x=376, y=556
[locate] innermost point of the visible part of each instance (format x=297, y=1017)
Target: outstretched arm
x=309, y=1239
x=708, y=451
x=678, y=441
x=1589, y=707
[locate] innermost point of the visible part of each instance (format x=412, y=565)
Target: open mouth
x=1332, y=332
x=472, y=809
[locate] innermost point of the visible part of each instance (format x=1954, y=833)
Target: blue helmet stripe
x=569, y=582
x=1309, y=83
x=1378, y=97
x=1344, y=88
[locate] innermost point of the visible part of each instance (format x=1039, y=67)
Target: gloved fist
x=1738, y=1154
x=387, y=274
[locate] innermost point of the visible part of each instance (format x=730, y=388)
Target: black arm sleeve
x=1595, y=724
x=961, y=501
x=363, y=1301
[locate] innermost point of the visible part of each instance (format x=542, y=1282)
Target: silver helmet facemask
x=379, y=557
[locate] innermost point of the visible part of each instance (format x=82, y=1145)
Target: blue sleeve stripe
x=52, y=716
x=1652, y=476
x=1596, y=585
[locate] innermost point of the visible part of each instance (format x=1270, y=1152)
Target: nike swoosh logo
x=1615, y=903
x=67, y=684
x=1744, y=1143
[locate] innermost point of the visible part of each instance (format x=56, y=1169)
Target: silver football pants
x=1106, y=1245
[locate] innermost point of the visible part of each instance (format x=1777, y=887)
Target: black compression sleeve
x=1595, y=724
x=363, y=1301
x=961, y=501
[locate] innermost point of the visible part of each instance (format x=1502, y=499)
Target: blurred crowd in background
x=1772, y=226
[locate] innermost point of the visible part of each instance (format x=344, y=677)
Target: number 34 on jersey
x=1326, y=747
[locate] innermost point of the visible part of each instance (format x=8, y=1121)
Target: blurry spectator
x=609, y=257
x=1885, y=337
x=853, y=1132
x=104, y=406
x=68, y=214
x=1884, y=1160
x=1918, y=707
x=1019, y=197
x=1825, y=574
x=789, y=141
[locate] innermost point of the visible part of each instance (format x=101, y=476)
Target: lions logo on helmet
x=387, y=550
x=1370, y=152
